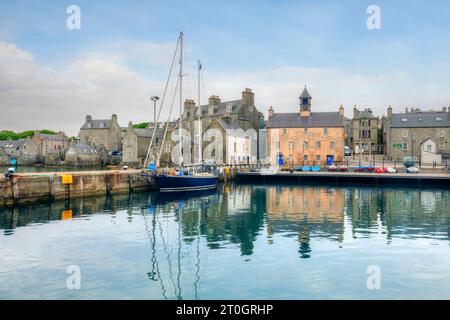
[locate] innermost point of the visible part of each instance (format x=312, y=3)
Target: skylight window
x=438, y=119
x=404, y=119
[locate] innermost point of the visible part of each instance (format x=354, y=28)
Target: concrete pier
x=28, y=188
x=438, y=180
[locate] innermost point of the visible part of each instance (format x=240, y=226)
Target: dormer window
x=438, y=119
x=404, y=119
x=89, y=125
x=102, y=124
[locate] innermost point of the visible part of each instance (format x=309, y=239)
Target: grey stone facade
x=82, y=155
x=136, y=143
x=364, y=132
x=406, y=132
x=24, y=150
x=241, y=114
x=106, y=133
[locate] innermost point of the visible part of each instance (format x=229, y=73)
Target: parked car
x=347, y=151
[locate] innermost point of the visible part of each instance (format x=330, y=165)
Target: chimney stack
x=248, y=97
x=341, y=110
x=88, y=118
x=114, y=117
x=270, y=112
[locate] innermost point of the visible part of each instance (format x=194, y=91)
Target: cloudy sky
x=51, y=77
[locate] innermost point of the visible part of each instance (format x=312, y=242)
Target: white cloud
x=34, y=96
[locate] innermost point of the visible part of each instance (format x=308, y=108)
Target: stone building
x=52, y=147
x=79, y=154
x=408, y=133
x=106, y=133
x=226, y=116
x=364, y=132
x=24, y=150
x=306, y=137
x=136, y=143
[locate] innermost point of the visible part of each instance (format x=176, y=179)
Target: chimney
x=88, y=118
x=355, y=112
x=444, y=109
x=189, y=107
x=389, y=112
x=130, y=124
x=270, y=112
x=114, y=117
x=248, y=97
x=214, y=100
x=406, y=110
x=341, y=111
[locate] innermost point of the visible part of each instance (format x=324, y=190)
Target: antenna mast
x=181, y=96
x=199, y=116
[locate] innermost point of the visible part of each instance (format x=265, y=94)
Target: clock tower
x=305, y=103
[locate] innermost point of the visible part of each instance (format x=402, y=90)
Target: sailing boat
x=201, y=177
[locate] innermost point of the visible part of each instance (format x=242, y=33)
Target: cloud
x=35, y=96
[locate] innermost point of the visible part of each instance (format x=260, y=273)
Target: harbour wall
x=350, y=179
x=30, y=188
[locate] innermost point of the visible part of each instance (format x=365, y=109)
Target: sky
x=51, y=76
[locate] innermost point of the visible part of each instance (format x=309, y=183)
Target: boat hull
x=184, y=183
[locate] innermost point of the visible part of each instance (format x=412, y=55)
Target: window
x=318, y=157
x=235, y=147
x=429, y=147
x=291, y=158
x=332, y=145
x=284, y=131
x=305, y=157
x=442, y=133
x=305, y=145
x=405, y=133
x=325, y=131
x=305, y=131
x=404, y=119
x=102, y=125
x=438, y=119
x=291, y=145
x=318, y=145
x=405, y=146
x=167, y=148
x=89, y=125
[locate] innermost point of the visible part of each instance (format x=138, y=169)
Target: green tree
x=142, y=125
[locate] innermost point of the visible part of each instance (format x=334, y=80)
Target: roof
x=365, y=114
x=305, y=94
x=228, y=126
x=96, y=124
x=12, y=144
x=315, y=120
x=83, y=148
x=147, y=133
x=420, y=120
x=52, y=137
x=221, y=108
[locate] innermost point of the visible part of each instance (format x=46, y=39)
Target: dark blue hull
x=184, y=183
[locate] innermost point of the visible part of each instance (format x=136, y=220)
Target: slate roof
x=147, y=133
x=220, y=109
x=365, y=114
x=420, y=120
x=227, y=125
x=95, y=124
x=52, y=137
x=305, y=94
x=12, y=144
x=83, y=148
x=315, y=120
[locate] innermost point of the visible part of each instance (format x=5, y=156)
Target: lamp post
x=154, y=99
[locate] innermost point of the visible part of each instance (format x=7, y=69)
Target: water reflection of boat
x=162, y=198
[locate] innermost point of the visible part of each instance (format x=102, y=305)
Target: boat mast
x=181, y=95
x=199, y=116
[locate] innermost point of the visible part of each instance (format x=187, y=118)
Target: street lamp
x=154, y=99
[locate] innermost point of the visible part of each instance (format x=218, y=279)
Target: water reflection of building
x=398, y=212
x=306, y=211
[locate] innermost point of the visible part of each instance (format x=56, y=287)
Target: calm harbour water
x=241, y=242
